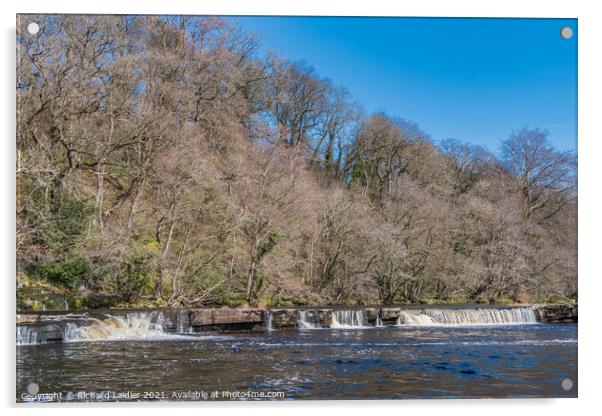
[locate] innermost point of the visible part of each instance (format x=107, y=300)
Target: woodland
x=170, y=161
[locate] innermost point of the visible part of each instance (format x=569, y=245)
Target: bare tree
x=378, y=156
x=297, y=100
x=467, y=163
x=334, y=131
x=543, y=177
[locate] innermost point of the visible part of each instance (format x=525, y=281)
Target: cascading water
x=183, y=323
x=50, y=328
x=481, y=316
x=312, y=319
x=152, y=325
x=79, y=328
x=27, y=335
x=268, y=320
x=414, y=318
x=133, y=326
x=308, y=320
x=348, y=319
x=379, y=320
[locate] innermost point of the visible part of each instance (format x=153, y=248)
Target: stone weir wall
x=50, y=325
x=289, y=318
x=562, y=313
x=213, y=319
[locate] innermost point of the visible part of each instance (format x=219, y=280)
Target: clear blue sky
x=471, y=79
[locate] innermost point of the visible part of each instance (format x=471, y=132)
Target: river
x=397, y=362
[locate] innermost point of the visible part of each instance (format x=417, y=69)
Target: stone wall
x=213, y=319
x=283, y=318
x=556, y=313
x=229, y=319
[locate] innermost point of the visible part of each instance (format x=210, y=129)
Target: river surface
x=371, y=363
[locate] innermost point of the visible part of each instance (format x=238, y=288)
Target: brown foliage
x=184, y=166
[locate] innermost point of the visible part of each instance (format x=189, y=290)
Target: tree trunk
x=251, y=281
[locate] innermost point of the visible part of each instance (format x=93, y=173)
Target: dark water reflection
x=387, y=363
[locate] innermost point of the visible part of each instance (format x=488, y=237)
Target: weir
x=489, y=316
x=349, y=319
x=135, y=326
x=312, y=319
x=269, y=318
x=105, y=327
x=43, y=328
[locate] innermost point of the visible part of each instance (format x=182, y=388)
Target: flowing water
x=483, y=316
x=430, y=354
x=348, y=319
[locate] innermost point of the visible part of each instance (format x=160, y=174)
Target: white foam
x=467, y=317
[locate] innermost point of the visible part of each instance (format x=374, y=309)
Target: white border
x=458, y=8
x=590, y=175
